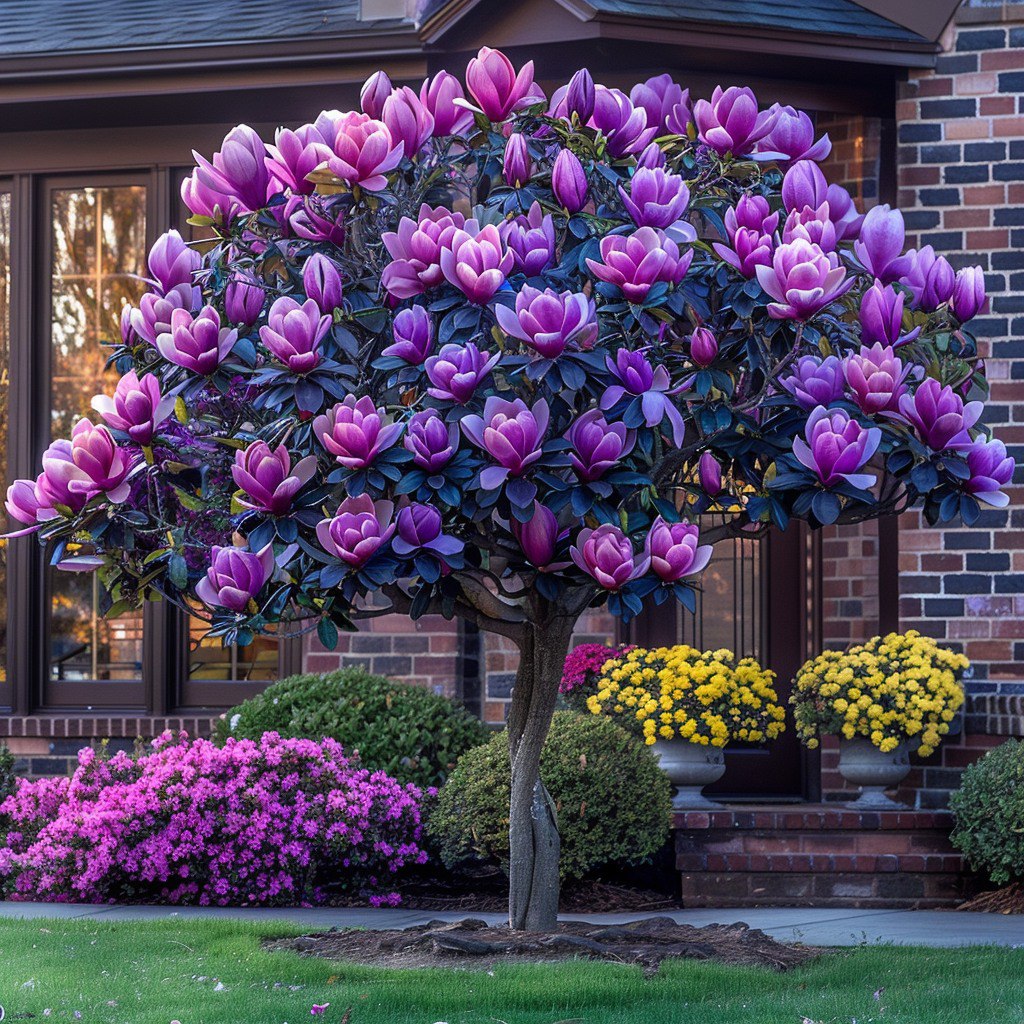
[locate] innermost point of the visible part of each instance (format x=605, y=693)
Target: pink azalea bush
x=582, y=669
x=274, y=822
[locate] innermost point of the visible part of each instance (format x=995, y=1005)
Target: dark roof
x=826, y=17
x=60, y=26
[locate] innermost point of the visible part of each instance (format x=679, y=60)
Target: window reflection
x=209, y=660
x=5, y=352
x=98, y=246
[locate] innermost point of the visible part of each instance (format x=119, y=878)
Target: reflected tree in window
x=5, y=353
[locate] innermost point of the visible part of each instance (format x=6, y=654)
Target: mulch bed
x=1008, y=900
x=475, y=944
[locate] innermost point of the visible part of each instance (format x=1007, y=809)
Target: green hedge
x=989, y=811
x=612, y=798
x=408, y=731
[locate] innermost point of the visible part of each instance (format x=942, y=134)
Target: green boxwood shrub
x=989, y=811
x=408, y=731
x=612, y=798
x=8, y=779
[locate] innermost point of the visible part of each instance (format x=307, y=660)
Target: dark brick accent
x=961, y=175
x=942, y=110
x=1011, y=81
x=981, y=39
x=945, y=154
x=917, y=132
x=956, y=64
x=976, y=152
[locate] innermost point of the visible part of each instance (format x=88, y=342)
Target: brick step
x=821, y=862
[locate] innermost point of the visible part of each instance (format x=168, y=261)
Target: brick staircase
x=818, y=855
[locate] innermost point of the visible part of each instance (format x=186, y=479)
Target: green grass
x=214, y=972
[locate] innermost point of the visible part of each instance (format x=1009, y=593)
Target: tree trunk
x=533, y=828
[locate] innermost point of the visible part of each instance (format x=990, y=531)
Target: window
x=5, y=368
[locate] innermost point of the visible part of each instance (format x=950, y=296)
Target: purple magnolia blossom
x=569, y=181
x=652, y=385
x=635, y=263
x=433, y=442
x=172, y=263
x=597, y=445
x=362, y=150
x=496, y=86
x=137, y=407
x=419, y=529
x=675, y=551
x=802, y=279
x=750, y=226
x=661, y=97
x=243, y=302
x=606, y=555
x=939, y=415
x=517, y=165
x=881, y=316
x=991, y=469
x=580, y=96
x=511, y=433
x=153, y=315
x=355, y=432
x=22, y=504
x=358, y=530
x=549, y=322
x=624, y=126
x=880, y=245
x=266, y=476
x=876, y=379
x=438, y=95
x=836, y=446
x=730, y=122
x=538, y=539
x=792, y=137
x=709, y=474
x=968, y=294
x=235, y=578
x=703, y=346
x=204, y=201
x=102, y=467
x=293, y=333
x=415, y=249
x=53, y=486
x=372, y=96
x=316, y=218
x=408, y=121
x=413, y=331
x=805, y=185
x=813, y=226
x=294, y=156
x=199, y=343
x=657, y=199
x=238, y=171
x=815, y=381
x=929, y=277
x=475, y=261
x=321, y=282
x=457, y=371
x=530, y=241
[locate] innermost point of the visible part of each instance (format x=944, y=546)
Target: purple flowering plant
x=568, y=324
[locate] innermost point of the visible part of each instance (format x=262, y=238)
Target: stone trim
x=995, y=714
x=114, y=726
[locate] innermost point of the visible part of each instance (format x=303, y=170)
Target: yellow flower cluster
x=705, y=697
x=889, y=689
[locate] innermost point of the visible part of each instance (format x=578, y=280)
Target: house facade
x=924, y=103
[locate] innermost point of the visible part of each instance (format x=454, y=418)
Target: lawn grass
x=214, y=972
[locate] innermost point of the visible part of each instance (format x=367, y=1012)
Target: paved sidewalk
x=819, y=927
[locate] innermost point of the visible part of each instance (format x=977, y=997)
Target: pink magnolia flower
x=355, y=432
x=374, y=94
x=569, y=181
x=267, y=477
x=498, y=90
x=661, y=97
x=415, y=249
x=730, y=122
x=623, y=125
x=549, y=322
x=991, y=469
x=358, y=530
x=235, y=577
x=433, y=442
x=408, y=121
x=237, y=176
x=836, y=446
x=475, y=261
x=199, y=343
x=438, y=95
x=792, y=136
x=539, y=538
x=457, y=371
x=293, y=333
x=172, y=262
x=880, y=245
x=294, y=156
x=606, y=555
x=137, y=407
x=675, y=551
x=815, y=381
x=968, y=294
x=530, y=240
x=511, y=433
x=802, y=279
x=362, y=151
x=939, y=415
x=750, y=226
x=876, y=379
x=597, y=445
x=929, y=277
x=635, y=263
x=153, y=315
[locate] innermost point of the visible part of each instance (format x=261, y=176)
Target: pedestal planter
x=690, y=767
x=862, y=764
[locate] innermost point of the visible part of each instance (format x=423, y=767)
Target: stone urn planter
x=863, y=764
x=690, y=767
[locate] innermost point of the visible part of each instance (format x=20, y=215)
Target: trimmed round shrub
x=989, y=811
x=409, y=732
x=611, y=797
x=273, y=822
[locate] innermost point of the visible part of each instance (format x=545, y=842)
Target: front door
x=757, y=599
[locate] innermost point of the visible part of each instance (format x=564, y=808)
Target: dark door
x=757, y=599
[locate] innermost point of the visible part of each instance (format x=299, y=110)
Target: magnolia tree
x=481, y=352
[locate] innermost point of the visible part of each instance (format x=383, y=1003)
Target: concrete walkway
x=818, y=927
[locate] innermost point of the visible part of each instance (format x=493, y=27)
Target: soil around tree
x=1007, y=900
x=472, y=943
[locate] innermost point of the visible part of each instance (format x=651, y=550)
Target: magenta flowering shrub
x=474, y=347
x=584, y=662
x=279, y=821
